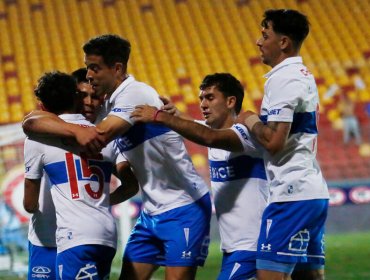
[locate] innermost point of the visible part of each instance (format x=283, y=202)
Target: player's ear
x=231, y=101
x=120, y=68
x=285, y=42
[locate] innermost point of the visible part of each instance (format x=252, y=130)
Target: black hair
x=80, y=75
x=57, y=92
x=288, y=22
x=111, y=47
x=228, y=85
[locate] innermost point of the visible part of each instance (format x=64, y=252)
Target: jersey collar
x=121, y=87
x=285, y=62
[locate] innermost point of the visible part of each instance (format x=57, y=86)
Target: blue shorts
x=178, y=237
x=85, y=262
x=292, y=232
x=41, y=262
x=238, y=265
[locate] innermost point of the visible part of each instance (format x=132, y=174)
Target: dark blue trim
x=138, y=134
x=242, y=167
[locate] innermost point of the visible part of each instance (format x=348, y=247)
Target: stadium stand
x=177, y=42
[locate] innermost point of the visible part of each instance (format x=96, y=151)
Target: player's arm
x=112, y=127
x=215, y=138
x=44, y=124
x=129, y=184
x=272, y=136
x=31, y=195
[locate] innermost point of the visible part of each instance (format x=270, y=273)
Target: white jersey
x=157, y=154
x=291, y=96
x=240, y=192
x=42, y=224
x=79, y=188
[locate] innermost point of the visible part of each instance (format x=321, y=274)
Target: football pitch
x=347, y=258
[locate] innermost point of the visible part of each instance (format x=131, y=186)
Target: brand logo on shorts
x=299, y=241
x=41, y=272
x=186, y=255
x=265, y=248
x=87, y=272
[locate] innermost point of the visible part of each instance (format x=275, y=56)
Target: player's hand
x=144, y=113
x=168, y=106
x=90, y=139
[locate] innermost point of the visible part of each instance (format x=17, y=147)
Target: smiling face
x=103, y=78
x=217, y=110
x=271, y=46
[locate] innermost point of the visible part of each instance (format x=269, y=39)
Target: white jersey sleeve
x=251, y=147
x=33, y=159
x=134, y=94
x=284, y=96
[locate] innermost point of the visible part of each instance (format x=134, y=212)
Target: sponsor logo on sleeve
x=274, y=112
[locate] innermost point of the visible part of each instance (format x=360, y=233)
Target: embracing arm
x=272, y=136
x=42, y=123
x=31, y=195
x=129, y=184
x=215, y=138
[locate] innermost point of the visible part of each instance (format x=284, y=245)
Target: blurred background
x=175, y=43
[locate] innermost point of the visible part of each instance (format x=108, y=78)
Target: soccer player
x=237, y=170
x=293, y=223
x=86, y=232
x=173, y=228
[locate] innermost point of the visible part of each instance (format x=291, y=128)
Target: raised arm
x=271, y=136
x=129, y=184
x=215, y=138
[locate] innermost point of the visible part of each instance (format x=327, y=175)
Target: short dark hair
x=80, y=75
x=228, y=85
x=111, y=47
x=57, y=92
x=288, y=22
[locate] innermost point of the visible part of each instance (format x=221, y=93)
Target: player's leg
x=137, y=271
x=238, y=265
x=181, y=272
x=314, y=268
x=285, y=236
x=41, y=261
x=308, y=272
x=184, y=232
x=143, y=251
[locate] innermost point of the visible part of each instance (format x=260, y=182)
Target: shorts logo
x=265, y=248
x=299, y=241
x=88, y=272
x=41, y=272
x=186, y=255
x=235, y=269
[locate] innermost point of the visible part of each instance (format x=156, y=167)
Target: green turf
x=347, y=258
